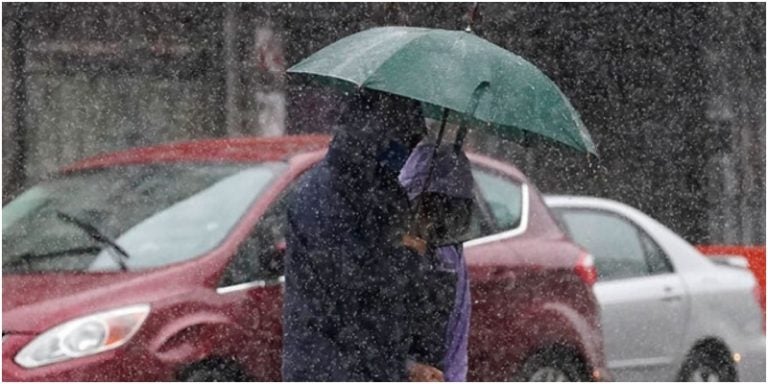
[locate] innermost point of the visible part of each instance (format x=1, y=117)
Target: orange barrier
x=755, y=255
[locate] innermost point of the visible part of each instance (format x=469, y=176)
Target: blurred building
x=674, y=94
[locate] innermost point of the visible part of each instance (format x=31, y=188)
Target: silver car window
x=614, y=242
x=657, y=260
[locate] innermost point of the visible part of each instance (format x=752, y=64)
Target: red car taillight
x=585, y=268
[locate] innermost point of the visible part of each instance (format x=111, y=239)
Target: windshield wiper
x=97, y=235
x=28, y=257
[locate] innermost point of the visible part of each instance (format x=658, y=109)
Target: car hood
x=33, y=303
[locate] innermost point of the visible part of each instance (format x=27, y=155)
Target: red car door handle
x=503, y=273
x=506, y=278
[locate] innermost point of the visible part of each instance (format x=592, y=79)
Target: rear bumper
x=751, y=366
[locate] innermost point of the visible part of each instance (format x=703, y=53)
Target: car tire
x=708, y=364
x=552, y=365
x=214, y=370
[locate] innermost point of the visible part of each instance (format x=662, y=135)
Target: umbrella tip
x=471, y=16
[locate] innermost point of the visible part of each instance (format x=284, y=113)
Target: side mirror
x=274, y=262
x=449, y=219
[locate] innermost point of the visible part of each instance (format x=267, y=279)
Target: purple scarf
x=452, y=176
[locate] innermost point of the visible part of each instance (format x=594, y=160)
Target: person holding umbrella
x=444, y=200
x=349, y=280
x=490, y=88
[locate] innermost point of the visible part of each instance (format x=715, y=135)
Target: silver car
x=668, y=313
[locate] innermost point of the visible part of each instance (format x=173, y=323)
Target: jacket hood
x=452, y=175
x=366, y=128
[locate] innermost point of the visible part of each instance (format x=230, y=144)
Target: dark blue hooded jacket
x=348, y=293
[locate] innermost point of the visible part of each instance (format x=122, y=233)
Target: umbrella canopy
x=487, y=85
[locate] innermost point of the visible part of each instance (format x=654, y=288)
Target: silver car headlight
x=83, y=336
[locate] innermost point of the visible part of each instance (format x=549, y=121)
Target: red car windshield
x=157, y=214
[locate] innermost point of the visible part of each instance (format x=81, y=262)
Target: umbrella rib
x=423, y=34
x=417, y=33
x=372, y=47
x=385, y=61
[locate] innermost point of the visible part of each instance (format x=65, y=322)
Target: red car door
x=501, y=215
x=251, y=290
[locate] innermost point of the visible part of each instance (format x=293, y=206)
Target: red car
x=164, y=263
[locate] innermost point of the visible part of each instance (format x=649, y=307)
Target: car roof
x=241, y=149
x=575, y=201
x=584, y=201
x=681, y=253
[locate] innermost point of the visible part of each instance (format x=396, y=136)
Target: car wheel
x=214, y=370
x=552, y=365
x=710, y=365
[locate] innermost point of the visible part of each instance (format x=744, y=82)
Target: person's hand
x=421, y=372
x=415, y=243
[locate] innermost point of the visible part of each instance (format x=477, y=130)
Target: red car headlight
x=83, y=336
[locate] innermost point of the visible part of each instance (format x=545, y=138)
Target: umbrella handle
x=434, y=153
x=441, y=132
x=472, y=15
x=431, y=168
x=473, y=103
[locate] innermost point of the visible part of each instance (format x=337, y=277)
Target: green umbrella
x=488, y=86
